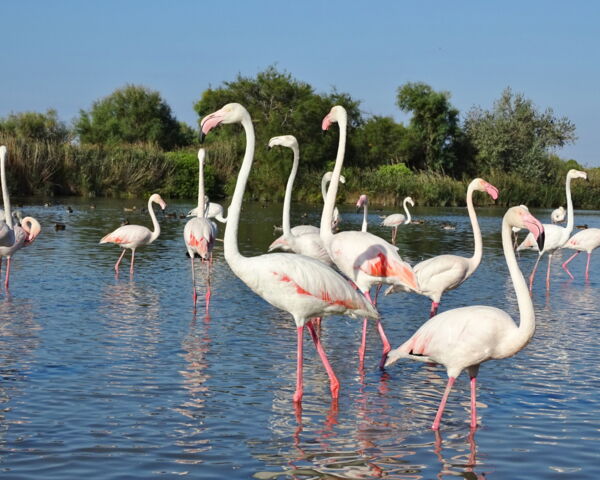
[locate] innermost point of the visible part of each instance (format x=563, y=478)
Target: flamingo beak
x=536, y=228
x=326, y=122
x=492, y=191
x=209, y=122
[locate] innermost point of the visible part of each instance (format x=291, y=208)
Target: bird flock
x=322, y=272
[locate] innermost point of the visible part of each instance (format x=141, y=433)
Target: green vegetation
x=129, y=144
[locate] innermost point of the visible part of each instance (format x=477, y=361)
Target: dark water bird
x=69, y=209
x=59, y=226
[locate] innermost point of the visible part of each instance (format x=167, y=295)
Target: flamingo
x=13, y=237
x=468, y=336
x=439, y=274
x=363, y=201
x=308, y=244
x=281, y=243
x=396, y=219
x=556, y=236
x=199, y=233
x=584, y=241
x=363, y=257
x=302, y=286
x=211, y=210
x=134, y=236
x=558, y=215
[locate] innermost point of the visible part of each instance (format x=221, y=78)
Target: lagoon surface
x=118, y=378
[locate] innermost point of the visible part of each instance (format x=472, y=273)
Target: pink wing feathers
x=128, y=235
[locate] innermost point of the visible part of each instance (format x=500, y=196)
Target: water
x=119, y=379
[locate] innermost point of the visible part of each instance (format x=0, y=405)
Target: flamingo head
x=32, y=227
x=285, y=141
x=336, y=114
x=156, y=198
x=230, y=113
x=483, y=186
x=328, y=175
x=362, y=200
x=521, y=218
x=410, y=200
x=576, y=174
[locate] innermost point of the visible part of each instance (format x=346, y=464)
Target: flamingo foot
x=434, y=309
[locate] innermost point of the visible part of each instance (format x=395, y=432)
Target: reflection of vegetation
x=129, y=143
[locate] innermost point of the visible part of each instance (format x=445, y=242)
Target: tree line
x=438, y=147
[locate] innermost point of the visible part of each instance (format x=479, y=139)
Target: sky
x=66, y=54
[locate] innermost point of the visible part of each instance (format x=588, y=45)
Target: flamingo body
x=584, y=241
x=396, y=219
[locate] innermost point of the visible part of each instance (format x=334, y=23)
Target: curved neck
x=156, y=231
x=327, y=216
x=287, y=202
x=230, y=243
x=478, y=250
x=5, y=197
x=570, y=217
x=324, y=182
x=408, y=217
x=201, y=201
x=526, y=312
x=365, y=214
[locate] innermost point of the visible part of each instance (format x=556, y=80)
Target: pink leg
x=334, y=383
x=438, y=415
x=434, y=309
x=587, y=266
x=377, y=289
x=473, y=402
x=363, y=345
x=386, y=344
x=207, y=296
x=194, y=296
x=532, y=276
x=564, y=265
x=299, y=388
x=394, y=232
x=7, y=273
x=548, y=272
x=119, y=261
x=132, y=260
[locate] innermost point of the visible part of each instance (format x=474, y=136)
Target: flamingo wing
x=128, y=236
x=394, y=220
x=199, y=236
x=441, y=273
x=585, y=240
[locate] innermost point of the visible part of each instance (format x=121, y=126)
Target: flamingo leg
x=473, y=402
x=132, y=260
x=334, y=383
x=434, y=309
x=564, y=265
x=438, y=415
x=394, y=232
x=119, y=261
x=193, y=281
x=548, y=272
x=386, y=344
x=7, y=273
x=363, y=345
x=587, y=266
x=532, y=276
x=377, y=289
x=299, y=362
x=207, y=296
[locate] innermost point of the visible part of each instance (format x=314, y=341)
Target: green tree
x=44, y=127
x=434, y=127
x=515, y=136
x=131, y=114
x=382, y=141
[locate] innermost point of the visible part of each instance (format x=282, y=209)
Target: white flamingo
x=584, y=241
x=302, y=286
x=439, y=274
x=134, y=236
x=556, y=236
x=363, y=201
x=211, y=210
x=281, y=243
x=366, y=259
x=558, y=215
x=396, y=219
x=468, y=336
x=199, y=233
x=13, y=236
x=308, y=244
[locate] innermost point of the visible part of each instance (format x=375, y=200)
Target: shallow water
x=118, y=378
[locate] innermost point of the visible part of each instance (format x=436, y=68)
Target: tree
x=515, y=136
x=382, y=141
x=36, y=126
x=434, y=126
x=131, y=114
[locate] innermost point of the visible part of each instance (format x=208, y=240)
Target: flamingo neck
x=478, y=250
x=327, y=216
x=324, y=182
x=527, y=315
x=5, y=198
x=155, y=224
x=570, y=216
x=408, y=217
x=201, y=201
x=365, y=215
x=287, y=202
x=230, y=243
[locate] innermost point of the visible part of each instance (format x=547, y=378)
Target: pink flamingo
x=439, y=274
x=584, y=241
x=299, y=230
x=199, y=233
x=302, y=286
x=308, y=243
x=14, y=237
x=363, y=257
x=134, y=236
x=468, y=336
x=396, y=219
x=556, y=236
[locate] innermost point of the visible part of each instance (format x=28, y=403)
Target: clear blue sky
x=67, y=54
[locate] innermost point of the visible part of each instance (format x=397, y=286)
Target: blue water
x=119, y=379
